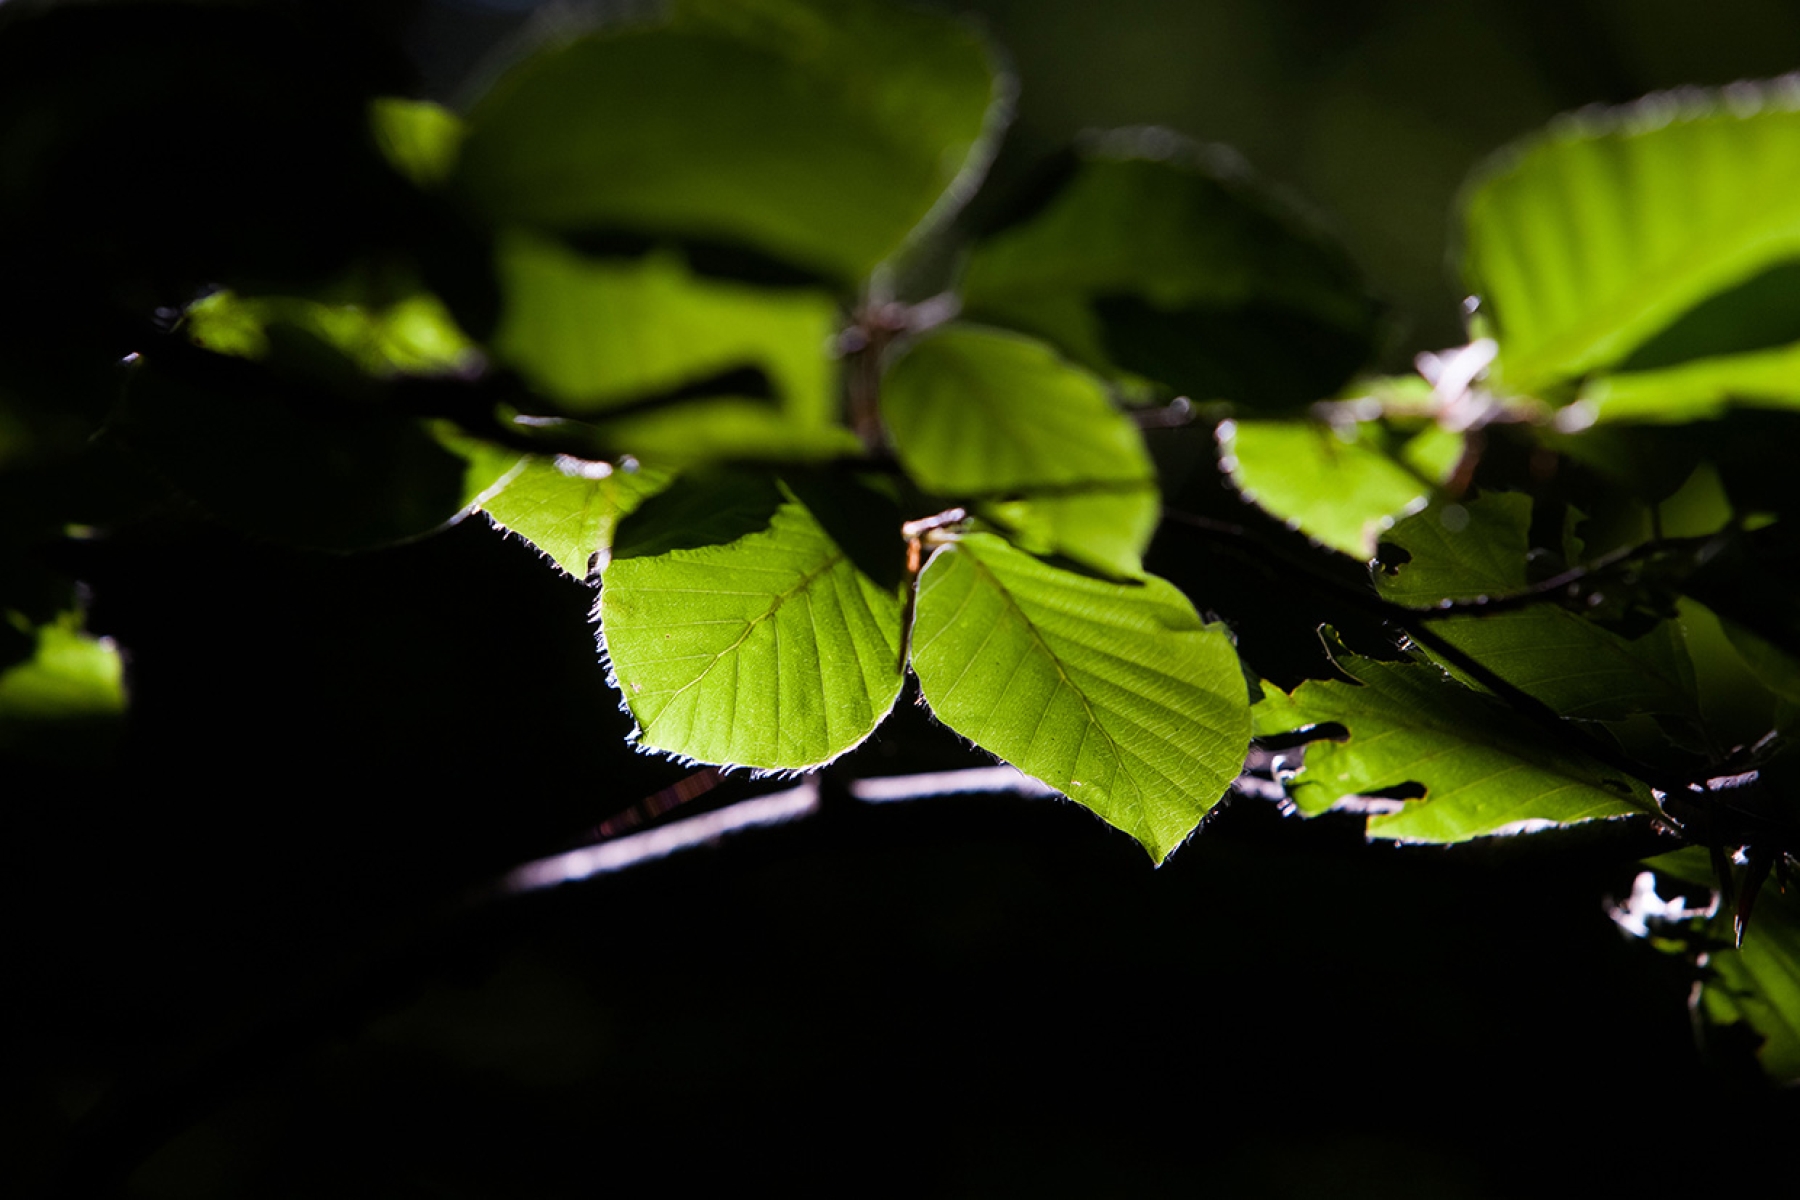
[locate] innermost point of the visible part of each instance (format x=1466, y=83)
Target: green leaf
x=1116, y=695
x=1340, y=485
x=412, y=335
x=568, y=508
x=1757, y=984
x=1165, y=259
x=979, y=414
x=820, y=133
x=1485, y=769
x=418, y=138
x=1586, y=243
x=770, y=650
x=595, y=334
x=1695, y=391
x=55, y=703
x=1475, y=549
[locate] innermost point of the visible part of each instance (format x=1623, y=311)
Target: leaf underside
x=1116, y=695
x=771, y=651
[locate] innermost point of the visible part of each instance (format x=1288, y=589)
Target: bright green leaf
x=568, y=508
x=1116, y=695
x=1485, y=769
x=820, y=133
x=412, y=335
x=1167, y=260
x=979, y=414
x=597, y=333
x=1477, y=548
x=53, y=704
x=1587, y=242
x=1341, y=486
x=772, y=650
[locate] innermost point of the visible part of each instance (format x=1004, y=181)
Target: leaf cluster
x=691, y=303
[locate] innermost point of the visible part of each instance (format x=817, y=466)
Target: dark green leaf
x=821, y=133
x=1166, y=260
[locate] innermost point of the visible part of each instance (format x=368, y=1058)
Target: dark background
x=241, y=953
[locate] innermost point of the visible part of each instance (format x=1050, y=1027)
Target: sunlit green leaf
x=1475, y=549
x=412, y=335
x=568, y=508
x=1588, y=242
x=1116, y=695
x=983, y=415
x=595, y=333
x=820, y=133
x=1167, y=260
x=1485, y=769
x=771, y=650
x=1341, y=486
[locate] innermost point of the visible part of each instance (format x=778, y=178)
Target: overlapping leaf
x=1477, y=549
x=1165, y=260
x=1610, y=231
x=568, y=509
x=1341, y=486
x=984, y=415
x=1117, y=695
x=1485, y=770
x=816, y=132
x=751, y=637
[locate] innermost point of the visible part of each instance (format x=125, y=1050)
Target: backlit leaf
x=1341, y=486
x=1116, y=695
x=1587, y=243
x=771, y=650
x=1485, y=769
x=1477, y=548
x=567, y=508
x=983, y=415
x=817, y=132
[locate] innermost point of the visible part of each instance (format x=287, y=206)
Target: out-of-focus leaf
x=819, y=132
x=1167, y=260
x=418, y=138
x=1341, y=486
x=1757, y=984
x=1485, y=769
x=772, y=650
x=412, y=335
x=1115, y=694
x=1588, y=242
x=1477, y=548
x=568, y=508
x=597, y=333
x=56, y=703
x=983, y=415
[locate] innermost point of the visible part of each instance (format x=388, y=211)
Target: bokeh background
x=961, y=996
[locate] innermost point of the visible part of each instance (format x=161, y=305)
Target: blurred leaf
x=418, y=138
x=1477, y=548
x=1590, y=241
x=1167, y=260
x=61, y=702
x=411, y=335
x=979, y=414
x=1341, y=486
x=1757, y=984
x=568, y=508
x=1694, y=391
x=771, y=650
x=1485, y=769
x=1116, y=695
x=820, y=132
